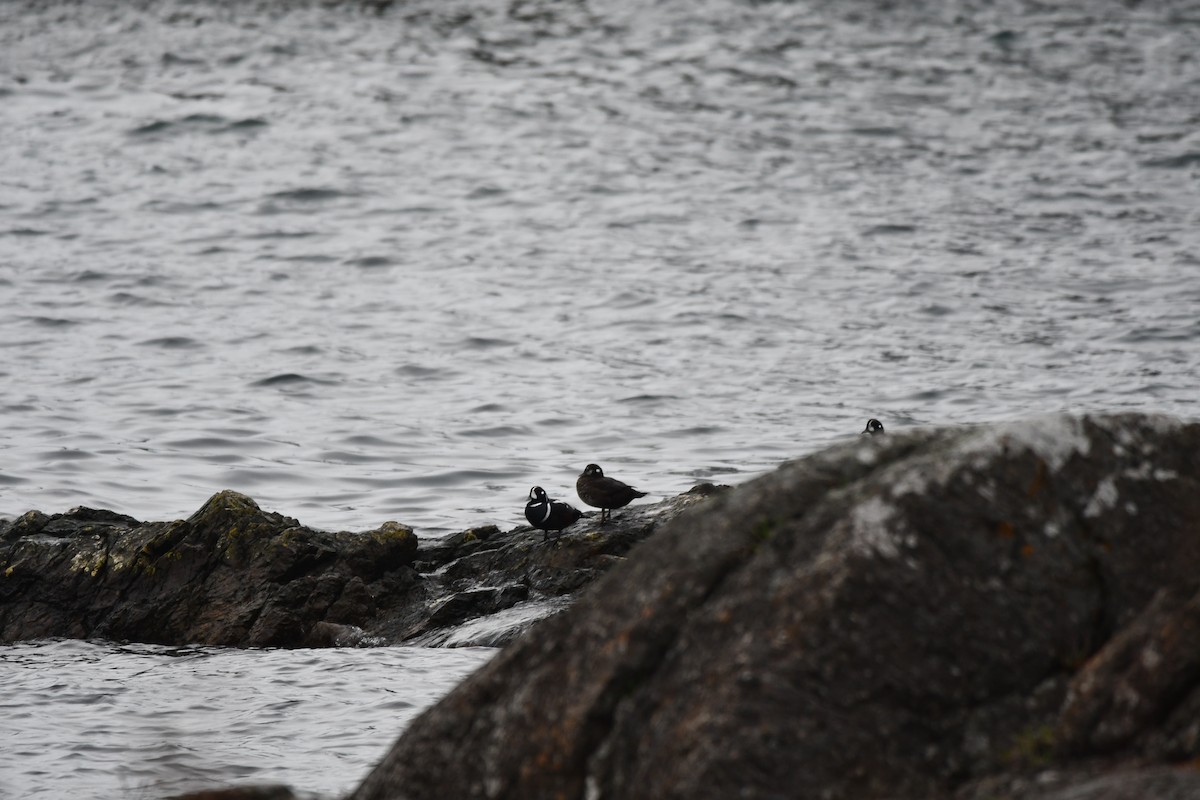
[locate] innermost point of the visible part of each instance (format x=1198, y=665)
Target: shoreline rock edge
x=1002, y=611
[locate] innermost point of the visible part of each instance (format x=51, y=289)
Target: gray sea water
x=95, y=720
x=367, y=264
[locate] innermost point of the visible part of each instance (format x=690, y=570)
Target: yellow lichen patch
x=143, y=564
x=1033, y=747
x=8, y=572
x=92, y=563
x=286, y=538
x=229, y=500
x=233, y=544
x=394, y=531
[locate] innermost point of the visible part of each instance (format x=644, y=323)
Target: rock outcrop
x=995, y=612
x=233, y=574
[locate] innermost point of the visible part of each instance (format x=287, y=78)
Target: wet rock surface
x=233, y=574
x=1003, y=611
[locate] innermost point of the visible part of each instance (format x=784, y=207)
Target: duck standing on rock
x=874, y=426
x=604, y=493
x=548, y=515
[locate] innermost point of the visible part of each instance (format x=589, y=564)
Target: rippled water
x=91, y=720
x=402, y=265
x=371, y=266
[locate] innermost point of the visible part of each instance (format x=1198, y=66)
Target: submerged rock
x=233, y=574
x=1004, y=611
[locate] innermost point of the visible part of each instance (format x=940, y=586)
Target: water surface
x=99, y=720
x=369, y=266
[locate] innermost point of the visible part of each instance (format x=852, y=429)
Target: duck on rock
x=604, y=493
x=548, y=515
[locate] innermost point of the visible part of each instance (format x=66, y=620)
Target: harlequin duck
x=874, y=426
x=548, y=515
x=604, y=493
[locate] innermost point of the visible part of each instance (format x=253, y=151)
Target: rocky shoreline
x=1005, y=611
x=234, y=575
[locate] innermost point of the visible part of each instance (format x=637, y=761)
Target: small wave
x=366, y=440
x=193, y=123
x=308, y=195
x=89, y=276
x=649, y=219
x=1158, y=334
x=482, y=192
x=307, y=258
x=488, y=408
x=1173, y=162
x=173, y=343
x=554, y=422
x=352, y=457
x=180, y=207
x=24, y=232
x=936, y=310
x=291, y=379
x=496, y=432
x=66, y=454
x=131, y=299
x=485, y=343
x=889, y=230
x=695, y=430
x=629, y=299
x=205, y=443
x=248, y=124
x=169, y=59
x=53, y=322
x=197, y=95
x=371, y=262
x=419, y=371
x=306, y=199
x=648, y=398
x=877, y=131
x=456, y=477
x=282, y=235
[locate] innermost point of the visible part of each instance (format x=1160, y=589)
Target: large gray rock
x=1004, y=611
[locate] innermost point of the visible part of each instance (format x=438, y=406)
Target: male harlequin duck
x=874, y=426
x=548, y=515
x=604, y=493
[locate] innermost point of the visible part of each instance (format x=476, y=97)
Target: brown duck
x=604, y=493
